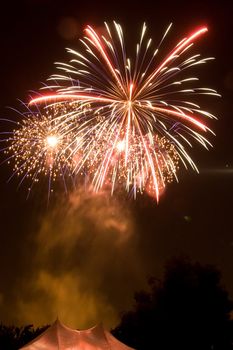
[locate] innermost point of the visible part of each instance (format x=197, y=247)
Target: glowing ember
x=121, y=146
x=52, y=141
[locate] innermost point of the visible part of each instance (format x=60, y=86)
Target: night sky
x=83, y=256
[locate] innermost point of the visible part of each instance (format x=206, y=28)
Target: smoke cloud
x=84, y=266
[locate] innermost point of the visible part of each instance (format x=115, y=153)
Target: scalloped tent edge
x=60, y=337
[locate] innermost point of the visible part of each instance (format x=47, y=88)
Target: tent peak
x=59, y=336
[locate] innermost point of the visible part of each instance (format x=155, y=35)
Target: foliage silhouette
x=189, y=309
x=13, y=338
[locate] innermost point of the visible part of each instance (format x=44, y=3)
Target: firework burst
x=41, y=146
x=139, y=116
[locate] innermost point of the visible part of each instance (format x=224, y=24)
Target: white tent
x=60, y=337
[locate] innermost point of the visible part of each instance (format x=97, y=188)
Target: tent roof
x=59, y=337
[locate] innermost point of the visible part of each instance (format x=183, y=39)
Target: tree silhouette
x=188, y=310
x=13, y=338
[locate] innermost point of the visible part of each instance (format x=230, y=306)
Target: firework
x=140, y=115
x=42, y=145
x=134, y=174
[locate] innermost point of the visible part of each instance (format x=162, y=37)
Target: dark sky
x=82, y=257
